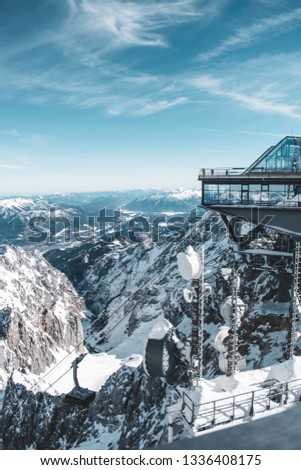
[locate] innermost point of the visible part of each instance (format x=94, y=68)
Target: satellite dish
x=207, y=290
x=188, y=295
x=159, y=357
x=220, y=339
x=189, y=264
x=226, y=308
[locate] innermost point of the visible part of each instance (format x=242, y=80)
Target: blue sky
x=100, y=95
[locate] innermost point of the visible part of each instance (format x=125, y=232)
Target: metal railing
x=206, y=415
x=188, y=408
x=224, y=171
x=251, y=202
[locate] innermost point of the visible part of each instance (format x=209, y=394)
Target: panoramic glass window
x=210, y=194
x=284, y=157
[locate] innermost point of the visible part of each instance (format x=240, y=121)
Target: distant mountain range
x=16, y=212
x=180, y=200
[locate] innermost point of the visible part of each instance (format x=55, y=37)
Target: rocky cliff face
x=40, y=312
x=129, y=286
x=128, y=413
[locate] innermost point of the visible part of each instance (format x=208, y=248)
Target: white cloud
x=145, y=107
x=10, y=166
x=11, y=132
x=244, y=36
x=94, y=29
x=252, y=97
x=125, y=23
x=82, y=48
x=257, y=103
x=35, y=139
x=85, y=77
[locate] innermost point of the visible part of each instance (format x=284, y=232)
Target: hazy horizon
x=98, y=191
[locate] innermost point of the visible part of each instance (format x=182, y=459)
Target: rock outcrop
x=40, y=312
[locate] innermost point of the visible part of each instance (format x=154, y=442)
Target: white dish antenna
x=207, y=290
x=226, y=308
x=188, y=295
x=189, y=264
x=219, y=338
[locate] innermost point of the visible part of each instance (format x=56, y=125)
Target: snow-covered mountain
x=17, y=212
x=129, y=287
x=180, y=200
x=132, y=284
x=40, y=313
x=14, y=216
x=98, y=199
x=143, y=200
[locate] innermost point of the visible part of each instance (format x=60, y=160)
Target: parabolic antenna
x=159, y=357
x=189, y=264
x=220, y=339
x=226, y=308
x=188, y=295
x=207, y=290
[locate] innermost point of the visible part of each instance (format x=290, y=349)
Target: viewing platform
x=215, y=172
x=242, y=174
x=269, y=189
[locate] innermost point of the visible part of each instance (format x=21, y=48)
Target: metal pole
x=197, y=333
x=75, y=379
x=251, y=412
x=233, y=338
x=170, y=419
x=293, y=310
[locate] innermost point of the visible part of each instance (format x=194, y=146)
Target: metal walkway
x=203, y=416
x=280, y=431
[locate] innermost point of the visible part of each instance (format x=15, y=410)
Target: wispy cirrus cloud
x=35, y=139
x=95, y=29
x=248, y=94
x=252, y=85
x=121, y=24
x=82, y=49
x=260, y=104
x=136, y=23
x=247, y=35
x=145, y=107
x=86, y=72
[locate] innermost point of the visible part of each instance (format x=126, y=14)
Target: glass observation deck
x=273, y=179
